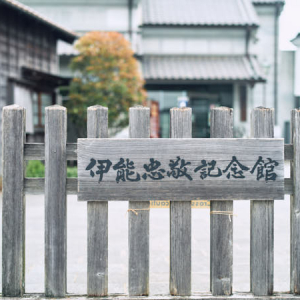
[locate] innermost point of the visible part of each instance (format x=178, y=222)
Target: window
x=243, y=102
x=22, y=97
x=40, y=101
x=166, y=99
x=35, y=103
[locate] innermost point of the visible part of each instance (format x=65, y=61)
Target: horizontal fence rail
x=36, y=186
x=36, y=151
x=56, y=152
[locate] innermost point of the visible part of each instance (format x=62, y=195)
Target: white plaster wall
x=86, y=18
x=286, y=100
x=264, y=49
x=96, y=15
x=193, y=41
x=297, y=72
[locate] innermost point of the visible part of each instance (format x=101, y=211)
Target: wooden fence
x=55, y=152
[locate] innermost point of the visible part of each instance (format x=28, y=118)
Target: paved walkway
x=159, y=247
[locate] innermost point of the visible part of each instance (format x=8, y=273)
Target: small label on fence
x=180, y=169
x=166, y=204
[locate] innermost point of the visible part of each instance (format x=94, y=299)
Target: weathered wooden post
x=262, y=218
x=295, y=203
x=180, y=217
x=97, y=216
x=55, y=201
x=221, y=226
x=138, y=224
x=13, y=206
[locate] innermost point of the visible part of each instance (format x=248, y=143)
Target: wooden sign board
x=180, y=169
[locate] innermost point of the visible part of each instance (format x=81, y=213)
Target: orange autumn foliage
x=107, y=73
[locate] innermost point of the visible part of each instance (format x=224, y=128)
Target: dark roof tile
x=199, y=13
x=206, y=68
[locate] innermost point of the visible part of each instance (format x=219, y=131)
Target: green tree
x=106, y=73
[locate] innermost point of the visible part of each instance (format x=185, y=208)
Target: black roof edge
x=253, y=26
x=202, y=81
x=62, y=33
x=269, y=3
x=39, y=76
x=295, y=38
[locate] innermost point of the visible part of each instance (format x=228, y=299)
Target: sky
x=289, y=24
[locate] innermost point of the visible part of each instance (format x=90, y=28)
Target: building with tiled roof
x=29, y=70
x=212, y=52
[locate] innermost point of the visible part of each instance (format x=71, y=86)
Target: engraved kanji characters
x=235, y=169
x=265, y=169
x=124, y=171
x=153, y=170
x=207, y=169
x=178, y=168
x=103, y=167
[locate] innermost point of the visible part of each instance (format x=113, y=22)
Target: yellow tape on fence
x=166, y=204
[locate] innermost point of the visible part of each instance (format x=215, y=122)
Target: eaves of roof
x=195, y=68
x=296, y=40
x=62, y=33
x=268, y=2
x=217, y=25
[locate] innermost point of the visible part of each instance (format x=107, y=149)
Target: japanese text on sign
x=125, y=169
x=180, y=169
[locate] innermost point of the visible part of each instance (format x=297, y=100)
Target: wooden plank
x=180, y=217
x=198, y=296
x=288, y=152
x=221, y=226
x=97, y=216
x=36, y=151
x=138, y=216
x=183, y=183
x=36, y=186
x=55, y=201
x=288, y=186
x=262, y=218
x=13, y=203
x=295, y=204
